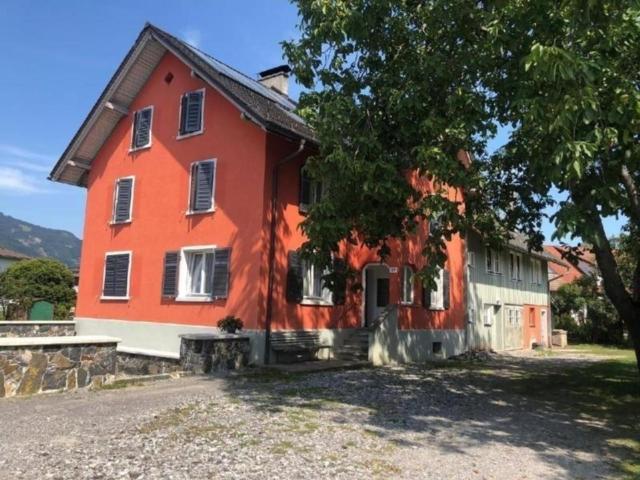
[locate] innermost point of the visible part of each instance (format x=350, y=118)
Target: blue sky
x=58, y=56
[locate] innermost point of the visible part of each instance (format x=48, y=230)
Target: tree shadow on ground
x=565, y=410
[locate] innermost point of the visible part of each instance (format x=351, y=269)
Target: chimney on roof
x=276, y=78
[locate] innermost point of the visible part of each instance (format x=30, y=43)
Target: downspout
x=272, y=246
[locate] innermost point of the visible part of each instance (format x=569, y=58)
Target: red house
x=194, y=196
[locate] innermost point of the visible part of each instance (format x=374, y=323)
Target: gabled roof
x=6, y=253
x=519, y=242
x=269, y=109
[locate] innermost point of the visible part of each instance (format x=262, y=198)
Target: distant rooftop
x=6, y=253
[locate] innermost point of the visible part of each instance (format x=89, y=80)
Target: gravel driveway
x=409, y=422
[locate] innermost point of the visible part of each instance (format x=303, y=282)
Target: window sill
x=199, y=212
x=138, y=149
x=316, y=302
x=123, y=222
x=194, y=299
x=189, y=135
x=122, y=299
x=436, y=309
x=408, y=304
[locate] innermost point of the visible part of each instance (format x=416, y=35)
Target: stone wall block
x=72, y=380
x=36, y=329
x=54, y=379
x=32, y=379
x=61, y=362
x=42, y=368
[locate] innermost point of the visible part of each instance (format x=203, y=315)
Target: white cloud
x=26, y=165
x=18, y=152
x=14, y=180
x=192, y=36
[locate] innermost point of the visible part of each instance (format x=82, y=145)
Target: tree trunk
x=622, y=300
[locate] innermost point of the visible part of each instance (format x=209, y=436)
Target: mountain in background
x=37, y=241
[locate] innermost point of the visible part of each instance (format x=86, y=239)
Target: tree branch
x=632, y=191
x=612, y=281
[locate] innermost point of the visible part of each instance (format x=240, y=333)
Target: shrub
x=27, y=281
x=230, y=324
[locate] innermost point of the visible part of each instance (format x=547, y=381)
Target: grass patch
x=119, y=384
x=610, y=387
x=282, y=448
x=173, y=418
x=622, y=353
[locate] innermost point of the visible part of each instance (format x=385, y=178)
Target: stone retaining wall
x=201, y=353
x=36, y=328
x=137, y=364
x=32, y=369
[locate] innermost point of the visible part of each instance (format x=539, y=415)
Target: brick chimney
x=276, y=78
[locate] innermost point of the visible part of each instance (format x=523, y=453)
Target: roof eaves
x=99, y=105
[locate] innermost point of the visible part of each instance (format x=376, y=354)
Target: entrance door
x=513, y=333
x=376, y=292
x=544, y=331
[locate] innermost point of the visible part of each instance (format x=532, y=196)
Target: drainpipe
x=272, y=246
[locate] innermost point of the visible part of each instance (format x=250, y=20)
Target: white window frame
x=437, y=295
x=308, y=273
x=313, y=194
x=104, y=275
x=132, y=147
x=115, y=200
x=515, y=260
x=411, y=278
x=201, y=131
x=513, y=315
x=495, y=261
x=184, y=274
x=190, y=211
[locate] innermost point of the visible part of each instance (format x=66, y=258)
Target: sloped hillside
x=37, y=241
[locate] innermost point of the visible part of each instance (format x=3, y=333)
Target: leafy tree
x=627, y=253
x=399, y=86
x=40, y=279
x=601, y=323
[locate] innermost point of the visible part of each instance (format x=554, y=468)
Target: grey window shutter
x=170, y=274
x=191, y=117
x=202, y=186
x=221, y=273
x=116, y=275
x=305, y=191
x=108, y=289
x=294, y=277
x=142, y=128
x=446, y=289
x=183, y=114
x=339, y=294
x=122, y=208
x=426, y=296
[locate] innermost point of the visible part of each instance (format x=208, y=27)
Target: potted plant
x=230, y=324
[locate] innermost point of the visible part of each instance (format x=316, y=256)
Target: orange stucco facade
x=245, y=156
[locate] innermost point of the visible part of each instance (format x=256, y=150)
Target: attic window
x=191, y=113
x=141, y=137
x=168, y=78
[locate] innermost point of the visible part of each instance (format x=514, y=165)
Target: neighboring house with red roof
x=9, y=257
x=568, y=270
